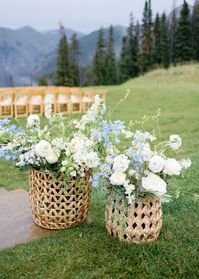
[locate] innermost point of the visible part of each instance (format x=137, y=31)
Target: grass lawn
x=87, y=251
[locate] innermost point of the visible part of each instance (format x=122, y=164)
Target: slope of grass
x=87, y=251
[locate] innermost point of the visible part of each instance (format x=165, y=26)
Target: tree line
x=158, y=41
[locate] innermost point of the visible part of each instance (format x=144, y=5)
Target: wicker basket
x=54, y=207
x=139, y=223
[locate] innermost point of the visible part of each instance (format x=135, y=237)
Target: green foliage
x=63, y=71
x=147, y=38
x=42, y=81
x=164, y=41
x=195, y=30
x=74, y=53
x=183, y=47
x=99, y=60
x=110, y=77
x=157, y=41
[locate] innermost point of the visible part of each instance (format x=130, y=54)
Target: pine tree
x=110, y=61
x=172, y=35
x=132, y=50
x=195, y=29
x=183, y=47
x=129, y=67
x=63, y=72
x=123, y=71
x=164, y=41
x=157, y=41
x=74, y=60
x=147, y=37
x=98, y=60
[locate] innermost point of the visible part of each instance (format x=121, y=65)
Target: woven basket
x=54, y=207
x=139, y=223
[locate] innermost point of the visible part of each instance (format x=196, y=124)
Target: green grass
x=87, y=251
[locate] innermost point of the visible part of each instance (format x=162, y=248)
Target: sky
x=81, y=15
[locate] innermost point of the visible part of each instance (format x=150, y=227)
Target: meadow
x=88, y=251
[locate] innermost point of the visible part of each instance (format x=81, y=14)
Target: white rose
x=185, y=163
x=52, y=158
x=154, y=184
x=172, y=167
x=32, y=120
x=132, y=172
x=118, y=178
x=43, y=149
x=147, y=153
x=121, y=163
x=175, y=142
x=156, y=164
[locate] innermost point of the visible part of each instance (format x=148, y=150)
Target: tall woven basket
x=56, y=207
x=139, y=223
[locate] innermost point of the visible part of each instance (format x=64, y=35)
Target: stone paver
x=16, y=224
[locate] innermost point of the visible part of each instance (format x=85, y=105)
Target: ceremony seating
x=21, y=104
x=76, y=100
x=63, y=100
x=36, y=102
x=87, y=99
x=23, y=101
x=6, y=104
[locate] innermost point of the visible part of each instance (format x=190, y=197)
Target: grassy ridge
x=87, y=251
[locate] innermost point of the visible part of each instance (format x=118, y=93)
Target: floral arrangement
x=62, y=146
x=73, y=147
x=143, y=168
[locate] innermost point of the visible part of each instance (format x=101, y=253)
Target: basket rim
x=139, y=199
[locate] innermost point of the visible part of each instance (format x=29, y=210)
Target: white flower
x=33, y=120
x=147, y=153
x=43, y=149
x=52, y=158
x=154, y=184
x=127, y=134
x=118, y=178
x=121, y=163
x=156, y=164
x=175, y=142
x=172, y=167
x=185, y=163
x=73, y=173
x=132, y=172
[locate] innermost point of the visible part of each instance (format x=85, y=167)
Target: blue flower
x=95, y=180
x=4, y=122
x=19, y=131
x=103, y=109
x=95, y=133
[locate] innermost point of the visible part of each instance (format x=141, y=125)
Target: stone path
x=16, y=224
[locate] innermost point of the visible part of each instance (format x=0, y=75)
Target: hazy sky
x=81, y=15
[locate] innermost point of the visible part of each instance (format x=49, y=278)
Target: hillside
x=87, y=251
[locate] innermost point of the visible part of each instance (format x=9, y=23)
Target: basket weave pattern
x=141, y=222
x=54, y=207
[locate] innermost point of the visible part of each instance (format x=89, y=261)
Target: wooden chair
x=51, y=93
x=6, y=104
x=36, y=105
x=101, y=93
x=87, y=98
x=76, y=100
x=63, y=103
x=21, y=101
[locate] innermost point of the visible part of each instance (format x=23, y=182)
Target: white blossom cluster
x=144, y=168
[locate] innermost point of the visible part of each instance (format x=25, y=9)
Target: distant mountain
x=22, y=50
x=87, y=49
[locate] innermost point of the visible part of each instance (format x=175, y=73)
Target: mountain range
x=26, y=53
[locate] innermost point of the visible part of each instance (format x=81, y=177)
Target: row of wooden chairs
x=21, y=102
